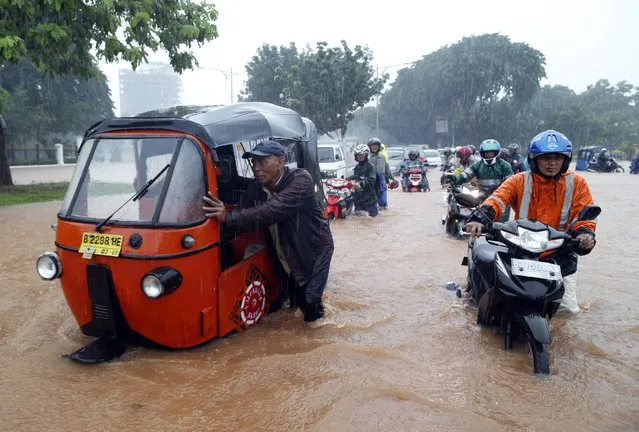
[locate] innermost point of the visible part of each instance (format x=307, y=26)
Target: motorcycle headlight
x=329, y=173
x=49, y=266
x=532, y=241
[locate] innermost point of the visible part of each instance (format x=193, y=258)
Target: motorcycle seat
x=484, y=251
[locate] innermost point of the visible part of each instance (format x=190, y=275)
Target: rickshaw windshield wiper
x=139, y=194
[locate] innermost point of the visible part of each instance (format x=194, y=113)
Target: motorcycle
x=417, y=181
x=339, y=195
x=611, y=166
x=514, y=289
x=461, y=200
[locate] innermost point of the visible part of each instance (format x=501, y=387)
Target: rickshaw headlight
x=49, y=266
x=152, y=286
x=161, y=281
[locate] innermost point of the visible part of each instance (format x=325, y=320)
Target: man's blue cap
x=266, y=148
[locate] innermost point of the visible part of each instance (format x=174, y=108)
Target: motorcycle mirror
x=589, y=212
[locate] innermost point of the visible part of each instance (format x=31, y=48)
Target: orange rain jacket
x=546, y=200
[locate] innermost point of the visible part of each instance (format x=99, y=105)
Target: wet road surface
x=396, y=350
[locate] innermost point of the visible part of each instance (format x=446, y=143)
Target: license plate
x=535, y=269
x=101, y=244
x=415, y=177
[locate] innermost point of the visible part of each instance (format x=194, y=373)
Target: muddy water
x=396, y=351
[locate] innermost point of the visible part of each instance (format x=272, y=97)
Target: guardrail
x=37, y=154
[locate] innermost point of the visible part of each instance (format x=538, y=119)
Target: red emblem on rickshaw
x=252, y=299
x=253, y=303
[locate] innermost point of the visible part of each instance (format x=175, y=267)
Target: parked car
x=433, y=158
x=395, y=158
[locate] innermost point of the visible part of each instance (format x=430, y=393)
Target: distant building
x=152, y=86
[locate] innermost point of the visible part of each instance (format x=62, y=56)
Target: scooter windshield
x=110, y=170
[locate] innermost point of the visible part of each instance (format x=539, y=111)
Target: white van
x=333, y=161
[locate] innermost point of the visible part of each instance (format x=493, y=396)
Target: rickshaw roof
x=216, y=126
x=593, y=148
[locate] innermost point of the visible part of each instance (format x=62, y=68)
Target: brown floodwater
x=396, y=351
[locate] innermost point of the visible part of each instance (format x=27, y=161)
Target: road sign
x=441, y=126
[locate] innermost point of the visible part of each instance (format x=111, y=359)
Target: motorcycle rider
x=490, y=172
x=382, y=171
x=466, y=158
x=603, y=160
x=515, y=159
x=413, y=161
x=364, y=181
x=447, y=159
x=551, y=194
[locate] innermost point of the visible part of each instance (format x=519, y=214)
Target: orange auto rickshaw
x=138, y=261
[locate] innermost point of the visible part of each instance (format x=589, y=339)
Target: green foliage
x=40, y=106
x=465, y=81
x=60, y=36
x=269, y=72
x=326, y=84
x=602, y=115
x=12, y=195
x=4, y=100
x=490, y=87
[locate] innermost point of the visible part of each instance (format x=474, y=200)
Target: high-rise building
x=151, y=86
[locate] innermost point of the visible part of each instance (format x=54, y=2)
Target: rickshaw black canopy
x=222, y=125
x=217, y=126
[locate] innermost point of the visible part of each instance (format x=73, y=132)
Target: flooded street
x=396, y=351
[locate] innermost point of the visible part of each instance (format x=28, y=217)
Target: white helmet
x=361, y=149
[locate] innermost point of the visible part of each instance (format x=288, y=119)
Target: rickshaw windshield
x=111, y=170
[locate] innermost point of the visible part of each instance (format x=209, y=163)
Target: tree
x=5, y=171
x=68, y=36
x=363, y=126
x=40, y=107
x=326, y=85
x=269, y=72
x=464, y=81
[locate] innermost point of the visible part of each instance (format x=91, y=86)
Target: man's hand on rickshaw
x=356, y=185
x=215, y=207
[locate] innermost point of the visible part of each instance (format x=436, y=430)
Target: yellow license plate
x=101, y=244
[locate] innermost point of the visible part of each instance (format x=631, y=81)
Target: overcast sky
x=583, y=41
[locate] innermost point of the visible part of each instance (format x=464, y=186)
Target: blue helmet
x=489, y=145
x=550, y=142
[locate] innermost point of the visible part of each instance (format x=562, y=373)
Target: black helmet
x=413, y=154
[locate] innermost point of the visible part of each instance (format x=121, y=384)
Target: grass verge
x=24, y=194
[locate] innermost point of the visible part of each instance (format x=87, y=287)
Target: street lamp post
x=226, y=77
x=378, y=94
